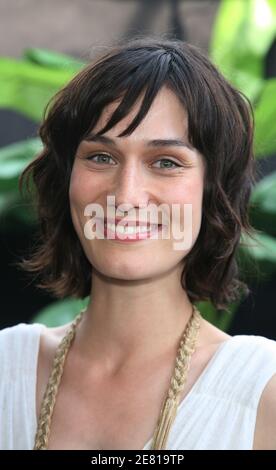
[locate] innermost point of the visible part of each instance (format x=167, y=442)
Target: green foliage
x=61, y=312
x=27, y=87
x=263, y=205
x=258, y=256
x=13, y=159
x=265, y=117
x=52, y=59
x=242, y=35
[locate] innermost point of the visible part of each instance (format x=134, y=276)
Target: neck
x=130, y=322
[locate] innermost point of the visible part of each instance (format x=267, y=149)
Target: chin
x=125, y=272
x=126, y=269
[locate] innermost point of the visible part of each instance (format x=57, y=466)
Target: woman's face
x=139, y=174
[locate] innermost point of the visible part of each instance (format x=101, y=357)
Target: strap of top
x=241, y=371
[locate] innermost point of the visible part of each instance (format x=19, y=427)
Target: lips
x=130, y=233
x=130, y=223
x=130, y=230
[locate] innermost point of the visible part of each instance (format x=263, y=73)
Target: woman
x=149, y=123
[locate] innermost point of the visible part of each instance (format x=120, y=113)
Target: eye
x=103, y=158
x=167, y=164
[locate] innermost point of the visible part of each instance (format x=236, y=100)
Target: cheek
x=188, y=191
x=79, y=195
x=82, y=189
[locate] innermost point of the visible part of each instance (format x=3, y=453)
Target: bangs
x=133, y=72
x=128, y=74
x=131, y=81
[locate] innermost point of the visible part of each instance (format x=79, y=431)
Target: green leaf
x=263, y=205
x=261, y=250
x=7, y=199
x=221, y=319
x=20, y=213
x=272, y=4
x=52, y=59
x=60, y=312
x=242, y=34
x=27, y=87
x=265, y=118
x=13, y=159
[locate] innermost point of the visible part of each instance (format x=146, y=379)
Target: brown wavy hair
x=220, y=127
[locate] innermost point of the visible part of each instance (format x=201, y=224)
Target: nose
x=129, y=186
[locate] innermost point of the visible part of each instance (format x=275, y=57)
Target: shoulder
x=14, y=338
x=265, y=430
x=251, y=373
x=49, y=341
x=11, y=332
x=263, y=348
x=263, y=352
x=255, y=358
x=19, y=346
x=29, y=347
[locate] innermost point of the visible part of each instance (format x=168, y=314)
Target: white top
x=219, y=412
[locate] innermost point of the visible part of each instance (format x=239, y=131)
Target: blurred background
x=43, y=44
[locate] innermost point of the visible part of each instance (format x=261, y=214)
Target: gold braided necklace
x=169, y=408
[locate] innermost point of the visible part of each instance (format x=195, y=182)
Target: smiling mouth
x=130, y=233
x=131, y=229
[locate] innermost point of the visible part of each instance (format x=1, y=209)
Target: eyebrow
x=149, y=143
